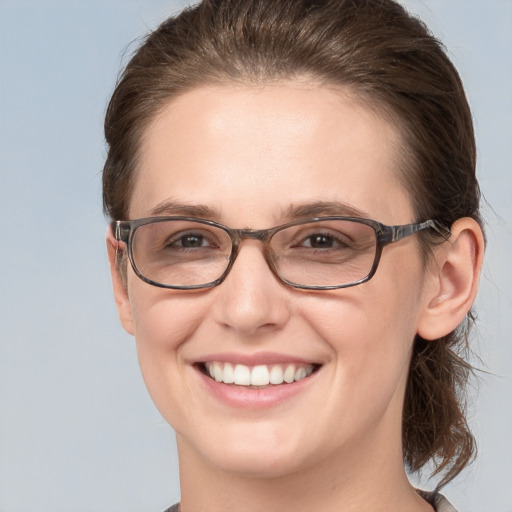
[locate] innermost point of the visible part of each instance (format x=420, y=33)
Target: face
x=252, y=158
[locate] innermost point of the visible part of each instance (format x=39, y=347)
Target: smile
x=259, y=375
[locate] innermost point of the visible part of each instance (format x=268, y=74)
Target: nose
x=251, y=299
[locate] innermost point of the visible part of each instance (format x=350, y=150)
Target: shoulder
x=174, y=508
x=438, y=501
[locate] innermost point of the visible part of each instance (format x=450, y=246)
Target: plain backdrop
x=78, y=431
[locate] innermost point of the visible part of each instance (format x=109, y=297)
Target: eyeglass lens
x=321, y=253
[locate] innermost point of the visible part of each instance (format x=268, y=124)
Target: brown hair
x=389, y=60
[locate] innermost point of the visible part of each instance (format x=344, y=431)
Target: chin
x=255, y=453
x=258, y=465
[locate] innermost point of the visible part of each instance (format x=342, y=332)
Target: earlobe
x=119, y=285
x=453, y=281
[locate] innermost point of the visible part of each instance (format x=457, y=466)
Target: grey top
x=438, y=501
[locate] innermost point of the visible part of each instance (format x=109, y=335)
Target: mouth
x=258, y=376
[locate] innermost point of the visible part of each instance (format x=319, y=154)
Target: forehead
x=252, y=153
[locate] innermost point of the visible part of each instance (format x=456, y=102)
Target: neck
x=345, y=482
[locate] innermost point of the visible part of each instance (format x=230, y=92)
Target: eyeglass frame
x=124, y=231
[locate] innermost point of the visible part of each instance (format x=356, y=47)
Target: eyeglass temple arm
x=395, y=233
x=120, y=232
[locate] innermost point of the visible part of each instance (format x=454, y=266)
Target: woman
x=296, y=246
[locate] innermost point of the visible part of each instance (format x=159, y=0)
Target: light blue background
x=77, y=429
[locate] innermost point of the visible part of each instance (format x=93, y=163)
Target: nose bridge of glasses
x=252, y=234
x=261, y=235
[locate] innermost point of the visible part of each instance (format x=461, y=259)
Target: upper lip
x=255, y=359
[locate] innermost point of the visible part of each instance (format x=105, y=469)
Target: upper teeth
x=260, y=375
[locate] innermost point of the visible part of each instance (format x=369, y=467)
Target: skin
x=250, y=155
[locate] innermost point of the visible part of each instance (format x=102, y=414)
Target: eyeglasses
x=315, y=254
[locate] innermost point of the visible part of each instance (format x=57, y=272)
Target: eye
x=192, y=241
x=322, y=240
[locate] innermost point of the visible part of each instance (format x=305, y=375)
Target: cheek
x=371, y=328
x=363, y=337
x=163, y=320
x=365, y=319
x=371, y=357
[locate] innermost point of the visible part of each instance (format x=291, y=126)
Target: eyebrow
x=301, y=211
x=170, y=207
x=321, y=208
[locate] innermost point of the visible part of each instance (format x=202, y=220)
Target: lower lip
x=254, y=398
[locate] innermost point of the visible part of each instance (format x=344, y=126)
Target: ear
x=453, y=280
x=119, y=284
